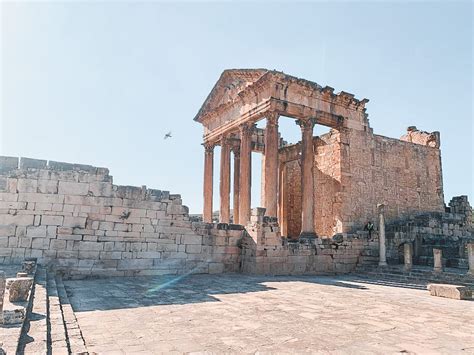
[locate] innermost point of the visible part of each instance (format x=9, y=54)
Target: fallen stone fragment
x=450, y=291
x=28, y=266
x=19, y=288
x=14, y=315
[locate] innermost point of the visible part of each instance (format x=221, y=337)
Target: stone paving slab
x=246, y=314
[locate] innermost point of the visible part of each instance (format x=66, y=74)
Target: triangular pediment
x=229, y=85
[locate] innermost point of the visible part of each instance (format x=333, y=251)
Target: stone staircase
x=51, y=326
x=419, y=277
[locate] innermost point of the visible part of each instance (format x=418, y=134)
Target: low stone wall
x=73, y=217
x=265, y=252
x=449, y=231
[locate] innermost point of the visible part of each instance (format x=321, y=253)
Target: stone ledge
x=450, y=291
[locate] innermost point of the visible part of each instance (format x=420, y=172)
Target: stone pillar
x=236, y=197
x=224, y=210
x=2, y=292
x=382, y=246
x=271, y=165
x=470, y=257
x=307, y=179
x=283, y=201
x=437, y=260
x=408, y=256
x=245, y=172
x=208, y=181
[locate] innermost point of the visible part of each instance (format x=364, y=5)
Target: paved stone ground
x=245, y=314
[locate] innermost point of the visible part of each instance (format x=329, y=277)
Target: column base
x=383, y=263
x=307, y=237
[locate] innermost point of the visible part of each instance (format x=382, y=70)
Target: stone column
x=236, y=198
x=271, y=165
x=470, y=257
x=437, y=260
x=408, y=256
x=2, y=292
x=245, y=172
x=282, y=208
x=208, y=181
x=224, y=210
x=382, y=246
x=307, y=179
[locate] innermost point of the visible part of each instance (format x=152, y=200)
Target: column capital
x=224, y=140
x=307, y=123
x=380, y=208
x=208, y=147
x=272, y=118
x=246, y=129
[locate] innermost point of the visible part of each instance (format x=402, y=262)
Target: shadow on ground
x=131, y=292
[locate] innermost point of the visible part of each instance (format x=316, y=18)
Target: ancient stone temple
x=325, y=184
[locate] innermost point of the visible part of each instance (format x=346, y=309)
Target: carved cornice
x=276, y=81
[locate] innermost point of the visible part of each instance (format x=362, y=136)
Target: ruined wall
x=356, y=170
x=406, y=176
x=73, y=216
x=265, y=252
x=449, y=231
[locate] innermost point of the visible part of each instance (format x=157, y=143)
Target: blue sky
x=101, y=82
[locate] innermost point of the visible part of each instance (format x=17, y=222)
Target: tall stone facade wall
x=73, y=216
x=405, y=176
x=354, y=170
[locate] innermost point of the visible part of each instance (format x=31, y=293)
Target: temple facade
x=323, y=185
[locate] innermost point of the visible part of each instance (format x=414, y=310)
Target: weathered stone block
x=27, y=185
x=28, y=266
x=19, y=220
x=79, y=222
x=450, y=291
x=48, y=186
x=191, y=239
x=8, y=164
x=73, y=188
x=19, y=288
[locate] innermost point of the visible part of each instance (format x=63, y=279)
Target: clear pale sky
x=100, y=83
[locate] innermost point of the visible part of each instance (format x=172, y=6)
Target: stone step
x=73, y=331
x=417, y=279
x=33, y=339
x=57, y=337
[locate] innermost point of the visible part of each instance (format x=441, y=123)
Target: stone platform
x=242, y=314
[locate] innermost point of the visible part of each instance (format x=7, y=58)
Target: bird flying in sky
x=167, y=135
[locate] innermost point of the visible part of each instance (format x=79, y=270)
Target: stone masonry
x=74, y=217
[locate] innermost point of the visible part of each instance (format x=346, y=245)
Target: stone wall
x=265, y=252
x=327, y=178
x=356, y=170
x=405, y=176
x=74, y=217
x=449, y=231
